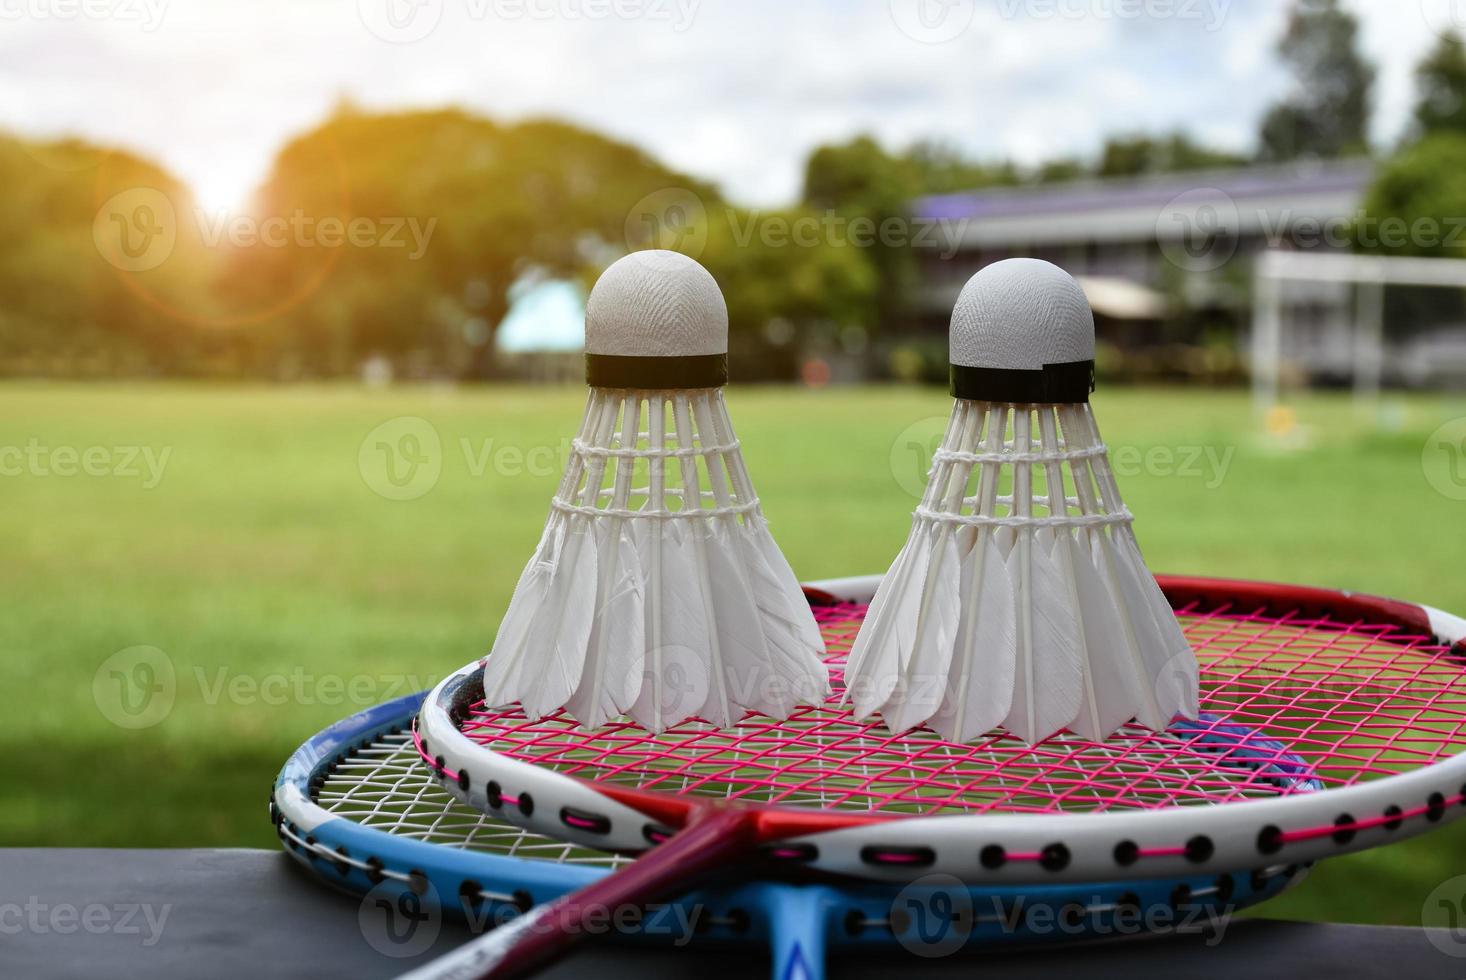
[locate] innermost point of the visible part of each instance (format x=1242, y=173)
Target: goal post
x=1367, y=275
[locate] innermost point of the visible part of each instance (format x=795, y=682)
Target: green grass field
x=285, y=591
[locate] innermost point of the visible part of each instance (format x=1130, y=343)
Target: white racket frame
x=1089, y=842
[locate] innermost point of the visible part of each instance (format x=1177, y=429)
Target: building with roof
x=542, y=334
x=1147, y=250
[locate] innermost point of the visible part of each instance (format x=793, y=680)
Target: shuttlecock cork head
x=656, y=320
x=1022, y=332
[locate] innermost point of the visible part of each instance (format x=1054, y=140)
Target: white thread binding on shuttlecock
x=634, y=453
x=953, y=456
x=692, y=514
x=656, y=590
x=1031, y=610
x=978, y=520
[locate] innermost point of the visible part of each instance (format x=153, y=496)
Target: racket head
x=355, y=808
x=1332, y=722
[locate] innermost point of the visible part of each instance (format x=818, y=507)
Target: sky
x=736, y=91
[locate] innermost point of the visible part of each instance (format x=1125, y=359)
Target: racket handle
x=716, y=839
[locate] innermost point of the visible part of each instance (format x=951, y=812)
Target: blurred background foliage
x=475, y=205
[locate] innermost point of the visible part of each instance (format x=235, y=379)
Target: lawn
x=248, y=534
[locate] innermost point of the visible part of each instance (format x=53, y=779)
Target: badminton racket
x=355, y=807
x=1332, y=723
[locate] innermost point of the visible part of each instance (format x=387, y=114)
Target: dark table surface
x=221, y=914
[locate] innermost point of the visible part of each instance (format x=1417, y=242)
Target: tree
x=1414, y=204
x=1327, y=115
x=1441, y=80
x=782, y=266
x=939, y=168
x=492, y=202
x=859, y=180
x=73, y=218
x=1127, y=156
x=1131, y=156
x=1061, y=171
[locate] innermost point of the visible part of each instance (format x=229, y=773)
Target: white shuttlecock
x=657, y=590
x=1021, y=599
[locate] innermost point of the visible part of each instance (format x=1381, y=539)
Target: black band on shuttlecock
x=1053, y=384
x=620, y=371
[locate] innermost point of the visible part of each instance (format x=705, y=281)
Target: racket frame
x=1036, y=847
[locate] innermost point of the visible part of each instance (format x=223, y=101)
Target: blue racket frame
x=798, y=921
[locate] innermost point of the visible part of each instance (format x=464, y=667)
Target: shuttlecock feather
x=657, y=591
x=1031, y=609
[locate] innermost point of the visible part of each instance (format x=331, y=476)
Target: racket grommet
x=908, y=857
x=1199, y=849
x=1180, y=895
x=1395, y=817
x=1226, y=888
x=494, y=793
x=1270, y=839
x=1072, y=916
x=523, y=901
x=471, y=893
x=463, y=780
x=1259, y=880
x=440, y=765
x=801, y=853
x=656, y=833
x=739, y=921
x=1055, y=857
x=1435, y=807
x=854, y=922
x=1346, y=828
x=1127, y=852
x=591, y=823
x=526, y=804
x=417, y=882
x=342, y=865
x=1463, y=794
x=1129, y=903
x=374, y=871
x=993, y=857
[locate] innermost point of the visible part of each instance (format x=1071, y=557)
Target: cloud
x=738, y=92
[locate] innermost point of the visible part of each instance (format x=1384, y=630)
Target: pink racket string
x=1291, y=703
